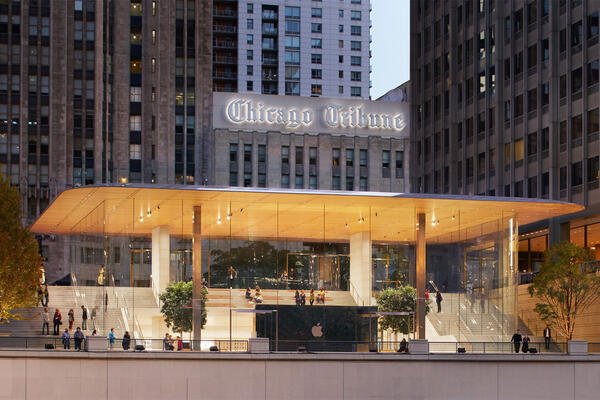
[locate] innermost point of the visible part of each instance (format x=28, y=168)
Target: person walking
x=40, y=296
x=84, y=316
x=166, y=344
x=526, y=341
x=46, y=295
x=111, y=338
x=231, y=275
x=71, y=315
x=126, y=341
x=311, y=296
x=517, y=339
x=66, y=339
x=302, y=298
x=57, y=321
x=438, y=300
x=45, y=321
x=297, y=297
x=547, y=336
x=78, y=338
x=93, y=318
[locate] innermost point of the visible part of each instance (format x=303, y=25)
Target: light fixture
x=219, y=221
x=149, y=214
x=347, y=226
x=453, y=217
x=228, y=216
x=124, y=179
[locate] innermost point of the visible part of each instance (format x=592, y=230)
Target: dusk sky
x=391, y=45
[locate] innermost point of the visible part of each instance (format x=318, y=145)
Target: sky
x=390, y=48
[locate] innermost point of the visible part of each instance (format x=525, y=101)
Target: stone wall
x=165, y=375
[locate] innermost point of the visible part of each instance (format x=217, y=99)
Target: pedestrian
x=166, y=344
x=93, y=318
x=248, y=294
x=71, y=315
x=126, y=341
x=66, y=339
x=526, y=341
x=547, y=336
x=403, y=346
x=321, y=296
x=517, y=339
x=179, y=344
x=302, y=298
x=46, y=295
x=83, y=318
x=45, y=321
x=111, y=338
x=57, y=321
x=78, y=338
x=40, y=295
x=297, y=297
x=438, y=300
x=311, y=296
x=231, y=275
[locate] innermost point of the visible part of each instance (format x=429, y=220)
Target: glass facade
x=352, y=251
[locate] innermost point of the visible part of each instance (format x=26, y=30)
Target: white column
x=161, y=249
x=361, y=267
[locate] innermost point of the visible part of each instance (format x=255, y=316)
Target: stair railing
x=354, y=293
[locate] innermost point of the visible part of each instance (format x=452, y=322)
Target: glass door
x=140, y=267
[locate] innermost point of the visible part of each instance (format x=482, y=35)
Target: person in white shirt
x=45, y=321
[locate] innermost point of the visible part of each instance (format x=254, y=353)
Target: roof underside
x=281, y=214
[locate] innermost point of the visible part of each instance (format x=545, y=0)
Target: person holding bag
x=57, y=320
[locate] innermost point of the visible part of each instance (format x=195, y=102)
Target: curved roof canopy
x=279, y=214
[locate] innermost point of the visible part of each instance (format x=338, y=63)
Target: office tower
x=505, y=103
x=307, y=48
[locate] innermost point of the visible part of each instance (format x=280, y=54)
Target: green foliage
x=176, y=306
x=402, y=299
x=564, y=286
x=20, y=262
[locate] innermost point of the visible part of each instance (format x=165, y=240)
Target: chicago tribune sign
x=318, y=115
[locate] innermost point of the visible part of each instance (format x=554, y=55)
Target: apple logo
x=317, y=330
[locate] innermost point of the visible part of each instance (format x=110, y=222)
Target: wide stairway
x=107, y=308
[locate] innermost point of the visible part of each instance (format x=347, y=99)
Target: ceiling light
x=149, y=214
x=228, y=216
x=219, y=221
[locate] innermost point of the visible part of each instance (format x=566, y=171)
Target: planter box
x=95, y=343
x=258, y=345
x=577, y=347
x=418, y=346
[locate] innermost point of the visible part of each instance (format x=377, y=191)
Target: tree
x=177, y=306
x=564, y=286
x=20, y=262
x=402, y=299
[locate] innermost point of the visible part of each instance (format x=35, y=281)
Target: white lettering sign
x=241, y=111
x=246, y=111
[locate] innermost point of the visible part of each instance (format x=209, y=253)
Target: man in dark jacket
x=547, y=336
x=78, y=338
x=438, y=300
x=83, y=317
x=517, y=339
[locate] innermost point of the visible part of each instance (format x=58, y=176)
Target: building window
x=250, y=39
x=316, y=43
x=385, y=164
x=340, y=89
x=340, y=44
x=292, y=88
x=355, y=15
x=249, y=54
x=336, y=183
x=340, y=28
x=292, y=26
x=249, y=86
x=292, y=12
x=285, y=181
x=399, y=164
x=363, y=185
x=250, y=8
x=341, y=59
x=355, y=46
x=135, y=122
x=577, y=34
x=250, y=23
x=316, y=28
x=355, y=30
x=153, y=65
x=316, y=90
x=316, y=58
x=341, y=74
x=249, y=70
x=349, y=159
x=299, y=182
x=355, y=76
x=592, y=73
x=135, y=151
x=292, y=57
x=316, y=12
x=153, y=36
x=292, y=42
x=135, y=94
x=312, y=157
x=355, y=60
x=285, y=155
x=349, y=183
x=248, y=153
x=335, y=157
x=363, y=158
x=316, y=74
x=355, y=91
x=576, y=174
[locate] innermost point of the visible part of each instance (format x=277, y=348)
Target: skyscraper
x=505, y=103
x=105, y=91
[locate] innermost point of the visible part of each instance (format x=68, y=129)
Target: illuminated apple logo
x=317, y=330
